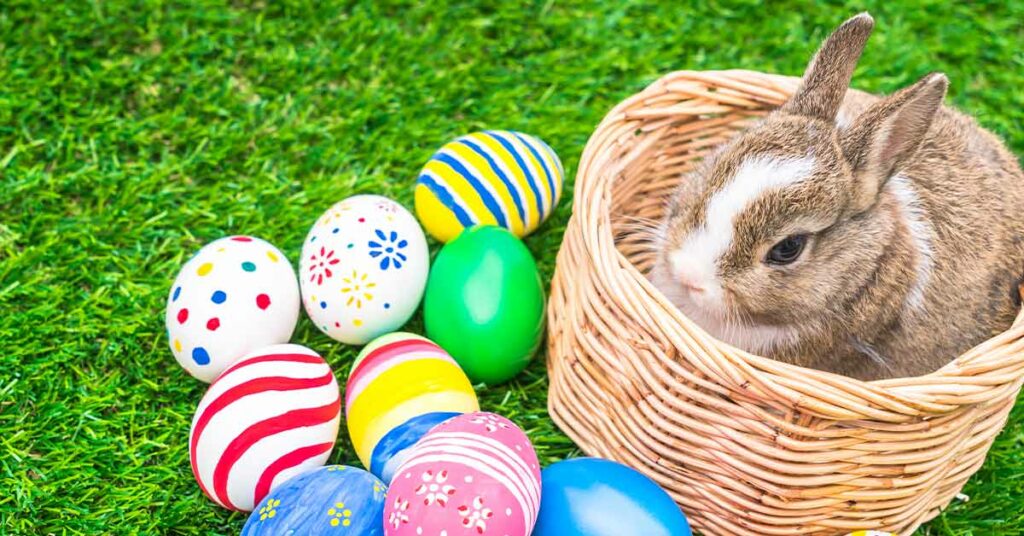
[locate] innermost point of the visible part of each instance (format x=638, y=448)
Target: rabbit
x=873, y=237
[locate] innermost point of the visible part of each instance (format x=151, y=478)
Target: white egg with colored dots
x=235, y=295
x=363, y=268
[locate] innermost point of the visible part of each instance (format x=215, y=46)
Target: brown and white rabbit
x=873, y=237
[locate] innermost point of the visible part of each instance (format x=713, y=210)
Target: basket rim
x=980, y=374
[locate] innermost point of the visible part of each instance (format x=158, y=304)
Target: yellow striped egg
x=401, y=386
x=495, y=177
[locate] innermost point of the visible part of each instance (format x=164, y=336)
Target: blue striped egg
x=336, y=499
x=495, y=177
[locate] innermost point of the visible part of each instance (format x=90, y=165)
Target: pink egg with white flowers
x=475, y=474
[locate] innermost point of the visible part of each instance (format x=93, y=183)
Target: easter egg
x=485, y=303
x=271, y=415
x=871, y=533
x=496, y=177
x=401, y=386
x=594, y=497
x=363, y=268
x=235, y=295
x=472, y=474
x=330, y=500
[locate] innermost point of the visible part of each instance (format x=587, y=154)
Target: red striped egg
x=475, y=474
x=271, y=415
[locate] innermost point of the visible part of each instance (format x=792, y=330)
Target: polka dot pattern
x=200, y=356
x=237, y=294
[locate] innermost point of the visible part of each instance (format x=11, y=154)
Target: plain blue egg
x=336, y=499
x=594, y=497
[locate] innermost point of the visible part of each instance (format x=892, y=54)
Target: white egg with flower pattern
x=235, y=295
x=363, y=269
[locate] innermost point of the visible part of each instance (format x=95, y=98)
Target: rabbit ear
x=828, y=75
x=887, y=134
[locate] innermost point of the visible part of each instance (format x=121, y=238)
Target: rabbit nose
x=692, y=287
x=695, y=278
x=687, y=282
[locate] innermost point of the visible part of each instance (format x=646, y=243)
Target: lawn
x=130, y=135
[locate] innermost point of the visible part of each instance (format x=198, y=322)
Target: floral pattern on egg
x=476, y=473
x=330, y=500
x=363, y=268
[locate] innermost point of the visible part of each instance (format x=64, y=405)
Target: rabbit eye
x=787, y=251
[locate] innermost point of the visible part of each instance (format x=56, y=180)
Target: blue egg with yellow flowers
x=495, y=177
x=336, y=499
x=594, y=497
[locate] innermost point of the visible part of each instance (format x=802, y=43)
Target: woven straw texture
x=746, y=445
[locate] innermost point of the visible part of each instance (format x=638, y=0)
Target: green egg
x=484, y=303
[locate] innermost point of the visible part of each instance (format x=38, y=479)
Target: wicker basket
x=745, y=445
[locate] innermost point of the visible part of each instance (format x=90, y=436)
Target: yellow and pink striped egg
x=401, y=386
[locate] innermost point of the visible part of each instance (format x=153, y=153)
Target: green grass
x=132, y=134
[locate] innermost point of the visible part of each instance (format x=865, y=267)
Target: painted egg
x=594, y=497
x=485, y=304
x=400, y=387
x=235, y=295
x=473, y=474
x=363, y=268
x=271, y=415
x=502, y=178
x=871, y=533
x=330, y=500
